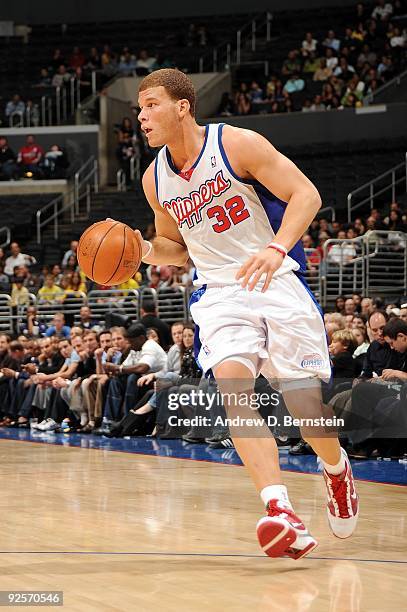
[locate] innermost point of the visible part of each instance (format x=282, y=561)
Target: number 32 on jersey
x=233, y=212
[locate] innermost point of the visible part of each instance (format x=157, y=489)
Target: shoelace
x=340, y=492
x=274, y=510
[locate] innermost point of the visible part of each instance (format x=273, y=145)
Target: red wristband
x=276, y=248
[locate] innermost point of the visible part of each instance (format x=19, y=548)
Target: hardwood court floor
x=129, y=532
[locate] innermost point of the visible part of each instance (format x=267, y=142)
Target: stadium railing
x=386, y=182
x=86, y=179
x=374, y=264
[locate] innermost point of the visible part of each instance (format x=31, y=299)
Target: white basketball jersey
x=222, y=218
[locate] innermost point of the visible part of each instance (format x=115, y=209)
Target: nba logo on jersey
x=213, y=161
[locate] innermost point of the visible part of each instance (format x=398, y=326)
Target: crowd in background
x=333, y=71
x=394, y=219
x=32, y=161
x=90, y=377
x=116, y=381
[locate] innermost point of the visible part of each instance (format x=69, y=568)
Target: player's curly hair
x=177, y=84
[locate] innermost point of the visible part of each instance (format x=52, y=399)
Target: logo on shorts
x=205, y=349
x=313, y=361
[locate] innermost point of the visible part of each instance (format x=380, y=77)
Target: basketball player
x=225, y=197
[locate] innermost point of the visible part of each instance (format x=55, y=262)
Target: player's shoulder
x=241, y=141
x=236, y=136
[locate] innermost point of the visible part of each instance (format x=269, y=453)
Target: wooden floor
x=126, y=532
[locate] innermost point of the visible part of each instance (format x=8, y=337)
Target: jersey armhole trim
x=226, y=161
x=156, y=176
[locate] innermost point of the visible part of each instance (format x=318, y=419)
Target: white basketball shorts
x=283, y=328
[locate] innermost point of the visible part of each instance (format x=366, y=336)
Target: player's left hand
x=266, y=262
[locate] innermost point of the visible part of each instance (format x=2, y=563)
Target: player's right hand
x=145, y=245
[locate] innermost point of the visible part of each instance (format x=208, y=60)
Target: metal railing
x=313, y=272
x=171, y=305
x=135, y=172
x=5, y=230
x=372, y=264
x=328, y=209
x=386, y=182
x=86, y=175
x=61, y=104
x=393, y=83
x=85, y=179
x=120, y=180
x=223, y=55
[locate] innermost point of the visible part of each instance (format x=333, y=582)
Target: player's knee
x=236, y=367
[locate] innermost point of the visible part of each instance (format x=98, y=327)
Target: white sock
x=337, y=469
x=275, y=492
x=84, y=419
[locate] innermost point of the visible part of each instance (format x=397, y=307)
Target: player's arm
x=168, y=247
x=254, y=157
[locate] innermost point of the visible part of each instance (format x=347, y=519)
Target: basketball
x=109, y=252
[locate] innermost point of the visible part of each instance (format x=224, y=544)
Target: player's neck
x=187, y=145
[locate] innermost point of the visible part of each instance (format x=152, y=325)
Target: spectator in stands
x=93, y=60
x=309, y=45
x=8, y=166
x=149, y=319
x=58, y=327
x=398, y=39
x=341, y=254
x=127, y=146
x=76, y=59
x=341, y=349
x=243, y=104
x=155, y=281
x=61, y=78
x=57, y=60
x=32, y=326
x=395, y=223
x=45, y=79
x=17, y=258
x=323, y=72
x=50, y=293
x=15, y=105
x=332, y=42
x=386, y=69
x=72, y=251
x=311, y=64
x=146, y=356
x=292, y=64
x=317, y=104
x=86, y=319
x=109, y=61
x=55, y=163
x=30, y=157
x=20, y=295
x=331, y=59
x=382, y=11
x=256, y=93
x=344, y=71
x=76, y=285
x=144, y=63
x=71, y=265
x=294, y=84
x=127, y=65
x=403, y=312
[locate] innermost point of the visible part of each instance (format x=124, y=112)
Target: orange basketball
x=109, y=252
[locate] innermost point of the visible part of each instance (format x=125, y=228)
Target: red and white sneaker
x=283, y=534
x=343, y=501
